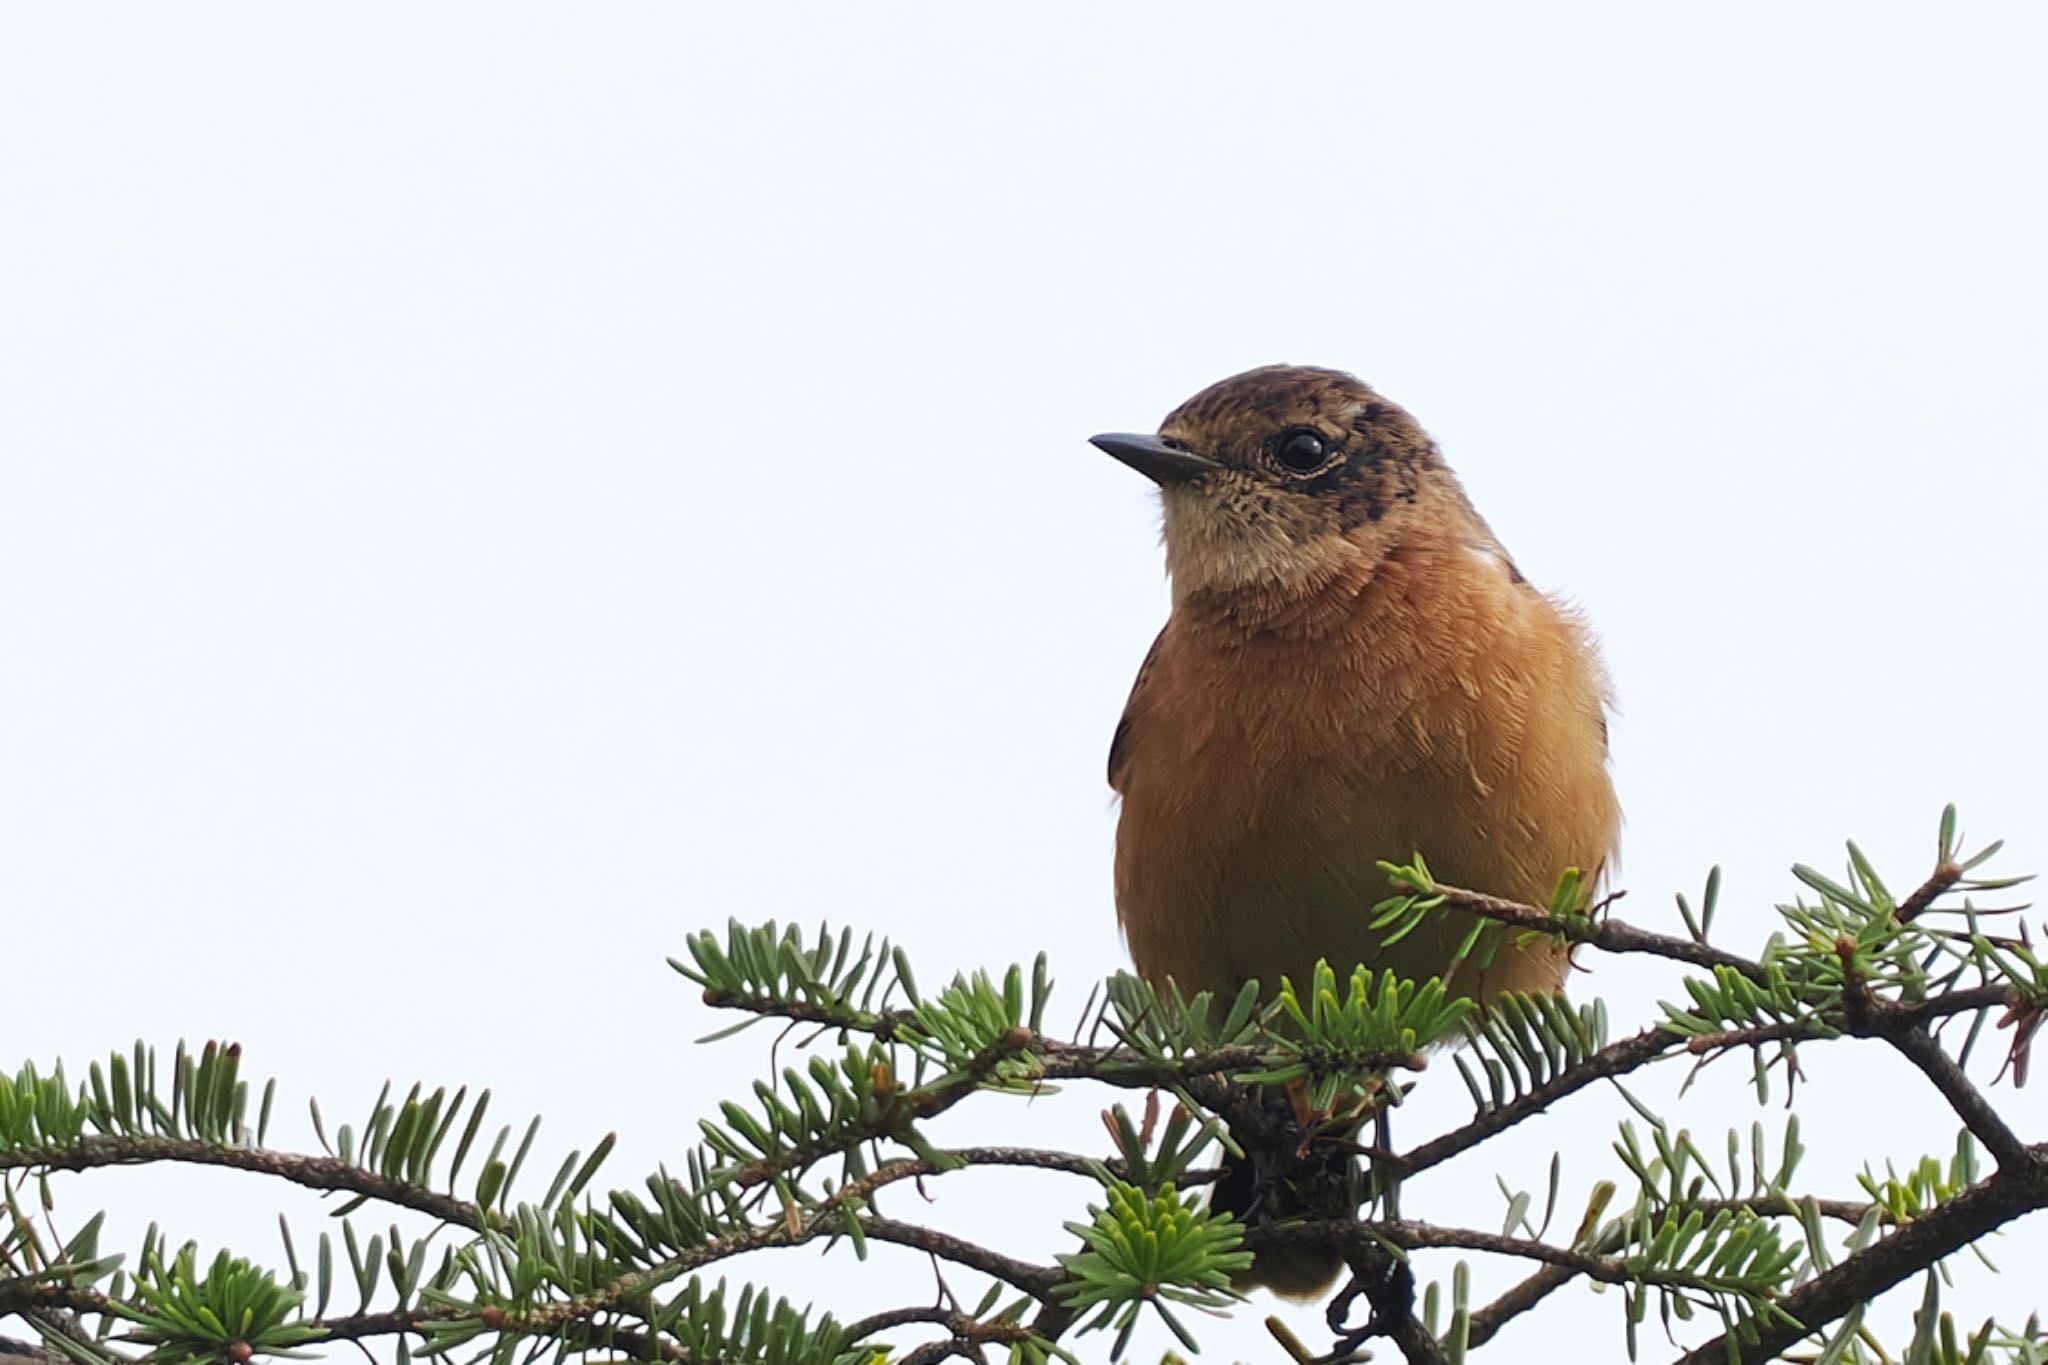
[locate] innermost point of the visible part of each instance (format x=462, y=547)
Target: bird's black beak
x=1154, y=458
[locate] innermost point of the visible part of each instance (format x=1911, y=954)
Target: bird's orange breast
x=1441, y=706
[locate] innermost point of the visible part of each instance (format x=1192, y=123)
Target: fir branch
x=625, y=1290
x=1486, y=1323
x=595, y=1275
x=1038, y=1281
x=2010, y=1192
x=1363, y=1238
x=13, y=1352
x=1616, y=1059
x=969, y=1158
x=329, y=1174
x=887, y=1025
x=613, y=1336
x=952, y=1319
x=966, y=1333
x=1606, y=934
x=29, y=1295
x=1944, y=880
x=1912, y=1041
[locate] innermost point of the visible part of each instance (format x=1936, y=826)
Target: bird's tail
x=1265, y=1187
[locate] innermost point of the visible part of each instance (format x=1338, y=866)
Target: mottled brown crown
x=1274, y=393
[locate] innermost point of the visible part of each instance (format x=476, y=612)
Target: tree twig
x=313, y=1172
x=1610, y=935
x=1916, y=1046
x=1616, y=1059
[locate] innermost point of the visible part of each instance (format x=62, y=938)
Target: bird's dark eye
x=1301, y=451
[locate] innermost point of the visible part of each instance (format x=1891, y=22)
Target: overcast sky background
x=489, y=490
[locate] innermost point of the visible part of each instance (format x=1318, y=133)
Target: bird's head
x=1279, y=477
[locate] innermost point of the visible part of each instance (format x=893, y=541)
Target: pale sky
x=490, y=490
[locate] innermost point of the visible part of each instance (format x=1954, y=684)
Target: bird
x=1352, y=669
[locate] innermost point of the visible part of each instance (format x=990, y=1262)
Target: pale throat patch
x=1219, y=543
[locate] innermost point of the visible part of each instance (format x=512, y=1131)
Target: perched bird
x=1353, y=670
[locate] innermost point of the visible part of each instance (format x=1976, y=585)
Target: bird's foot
x=1387, y=1284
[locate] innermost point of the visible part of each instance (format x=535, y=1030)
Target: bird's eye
x=1301, y=451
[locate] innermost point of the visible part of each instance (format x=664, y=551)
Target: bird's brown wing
x=1120, y=742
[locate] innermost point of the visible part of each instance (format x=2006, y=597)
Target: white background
x=490, y=490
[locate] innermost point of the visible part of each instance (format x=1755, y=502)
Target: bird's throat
x=1264, y=584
